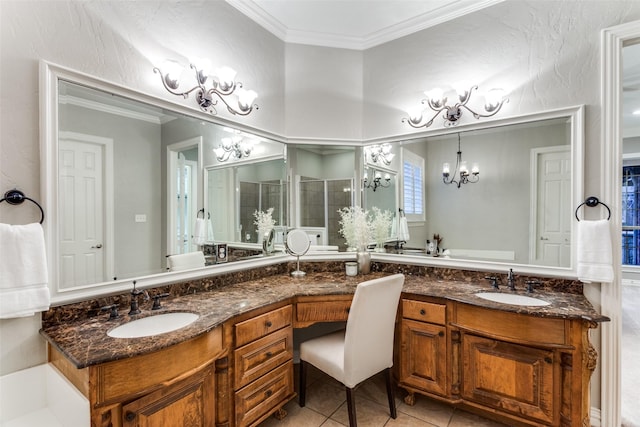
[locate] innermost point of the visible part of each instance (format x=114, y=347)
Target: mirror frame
x=576, y=115
x=51, y=73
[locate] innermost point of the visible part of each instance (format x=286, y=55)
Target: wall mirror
x=125, y=181
x=325, y=182
x=236, y=191
x=520, y=211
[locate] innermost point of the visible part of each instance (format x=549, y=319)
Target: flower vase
x=364, y=261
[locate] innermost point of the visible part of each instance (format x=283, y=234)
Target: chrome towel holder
x=592, y=202
x=16, y=197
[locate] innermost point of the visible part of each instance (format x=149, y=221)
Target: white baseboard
x=595, y=417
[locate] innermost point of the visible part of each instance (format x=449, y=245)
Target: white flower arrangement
x=380, y=226
x=355, y=228
x=264, y=221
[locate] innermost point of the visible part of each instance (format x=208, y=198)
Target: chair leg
x=390, y=394
x=351, y=407
x=303, y=383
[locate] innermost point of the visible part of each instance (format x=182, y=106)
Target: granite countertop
x=85, y=342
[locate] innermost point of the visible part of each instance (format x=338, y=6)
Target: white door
x=552, y=208
x=82, y=218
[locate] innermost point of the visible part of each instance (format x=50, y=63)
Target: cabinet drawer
x=259, y=326
x=261, y=356
x=424, y=311
x=322, y=311
x=263, y=395
x=517, y=327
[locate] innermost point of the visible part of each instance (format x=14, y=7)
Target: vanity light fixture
x=222, y=85
x=462, y=170
x=380, y=153
x=377, y=182
x=233, y=146
x=437, y=102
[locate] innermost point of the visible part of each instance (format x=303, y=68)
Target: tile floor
x=630, y=367
x=326, y=406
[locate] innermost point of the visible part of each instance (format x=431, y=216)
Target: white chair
x=364, y=348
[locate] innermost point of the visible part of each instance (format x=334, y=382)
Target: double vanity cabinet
x=233, y=367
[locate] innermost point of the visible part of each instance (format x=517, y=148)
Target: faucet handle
x=156, y=300
x=494, y=281
x=531, y=283
x=113, y=309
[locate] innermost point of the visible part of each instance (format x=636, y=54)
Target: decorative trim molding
x=612, y=42
x=443, y=14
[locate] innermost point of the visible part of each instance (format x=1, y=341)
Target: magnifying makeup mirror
x=297, y=244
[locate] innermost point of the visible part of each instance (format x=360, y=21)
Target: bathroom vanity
x=233, y=366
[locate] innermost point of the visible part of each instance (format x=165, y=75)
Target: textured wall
x=546, y=54
x=119, y=41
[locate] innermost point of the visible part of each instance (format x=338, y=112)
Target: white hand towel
x=186, y=261
x=199, y=232
x=595, y=255
x=403, y=230
x=394, y=226
x=23, y=271
x=210, y=238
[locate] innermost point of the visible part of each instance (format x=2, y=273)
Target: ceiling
x=352, y=24
x=362, y=24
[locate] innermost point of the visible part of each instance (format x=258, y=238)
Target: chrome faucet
x=511, y=281
x=135, y=293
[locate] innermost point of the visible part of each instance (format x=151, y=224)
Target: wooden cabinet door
x=510, y=377
x=423, y=358
x=187, y=403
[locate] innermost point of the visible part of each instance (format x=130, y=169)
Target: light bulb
x=475, y=169
x=226, y=77
x=463, y=168
x=415, y=114
x=445, y=169
x=493, y=99
x=246, y=98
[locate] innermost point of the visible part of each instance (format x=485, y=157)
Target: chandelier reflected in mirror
x=378, y=180
x=209, y=85
x=461, y=169
x=437, y=101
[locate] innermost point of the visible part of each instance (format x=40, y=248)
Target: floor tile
x=425, y=409
x=368, y=413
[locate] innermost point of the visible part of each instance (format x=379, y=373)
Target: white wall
x=119, y=42
x=545, y=53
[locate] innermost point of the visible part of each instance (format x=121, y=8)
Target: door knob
x=98, y=246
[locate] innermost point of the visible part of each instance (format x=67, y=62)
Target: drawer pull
x=422, y=312
x=440, y=334
x=268, y=393
x=268, y=323
x=548, y=360
x=269, y=354
x=130, y=416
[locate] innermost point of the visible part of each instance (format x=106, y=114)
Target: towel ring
x=593, y=202
x=16, y=197
x=202, y=210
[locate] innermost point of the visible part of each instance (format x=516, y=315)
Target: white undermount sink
x=153, y=325
x=513, y=299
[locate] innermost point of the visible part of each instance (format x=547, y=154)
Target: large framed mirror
x=125, y=181
x=520, y=210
